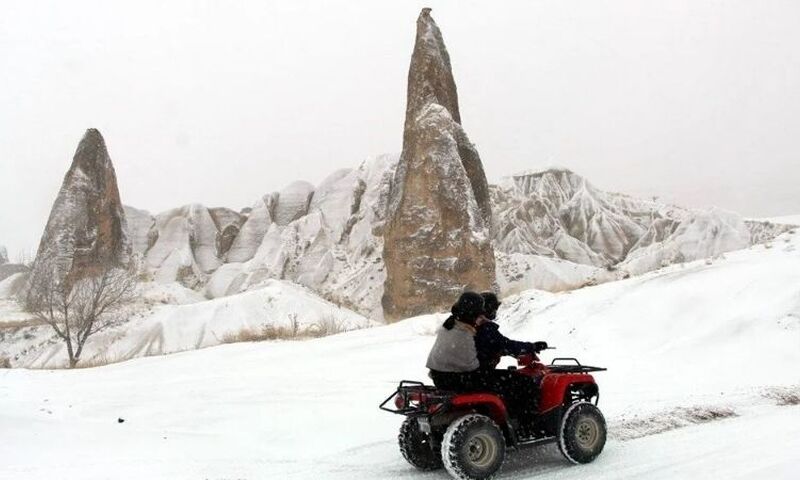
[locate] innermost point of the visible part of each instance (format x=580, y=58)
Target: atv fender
x=556, y=389
x=485, y=403
x=489, y=404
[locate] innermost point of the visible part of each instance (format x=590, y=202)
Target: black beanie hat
x=468, y=307
x=490, y=304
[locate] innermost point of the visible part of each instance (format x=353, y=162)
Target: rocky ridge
x=552, y=230
x=319, y=237
x=558, y=214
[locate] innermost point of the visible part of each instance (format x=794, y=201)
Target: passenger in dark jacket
x=520, y=392
x=491, y=344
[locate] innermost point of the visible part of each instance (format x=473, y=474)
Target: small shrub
x=267, y=332
x=783, y=396
x=98, y=361
x=325, y=326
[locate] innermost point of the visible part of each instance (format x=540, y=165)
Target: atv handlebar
x=528, y=358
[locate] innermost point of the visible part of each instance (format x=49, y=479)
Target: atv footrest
x=526, y=442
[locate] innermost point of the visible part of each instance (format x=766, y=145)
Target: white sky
x=697, y=101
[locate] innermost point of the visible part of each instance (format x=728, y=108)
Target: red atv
x=468, y=433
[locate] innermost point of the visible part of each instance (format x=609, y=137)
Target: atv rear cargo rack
x=575, y=367
x=413, y=397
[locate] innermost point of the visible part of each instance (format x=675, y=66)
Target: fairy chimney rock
x=86, y=229
x=437, y=237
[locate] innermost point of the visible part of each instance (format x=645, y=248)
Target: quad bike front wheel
x=473, y=448
x=417, y=446
x=582, y=433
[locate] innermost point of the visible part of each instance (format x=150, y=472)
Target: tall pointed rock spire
x=430, y=76
x=437, y=235
x=86, y=228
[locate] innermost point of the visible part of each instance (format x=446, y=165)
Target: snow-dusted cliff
x=552, y=230
x=320, y=237
x=558, y=214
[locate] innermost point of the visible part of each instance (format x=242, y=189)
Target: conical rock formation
x=436, y=239
x=86, y=229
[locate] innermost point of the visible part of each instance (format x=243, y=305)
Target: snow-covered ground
x=786, y=219
x=681, y=344
x=10, y=312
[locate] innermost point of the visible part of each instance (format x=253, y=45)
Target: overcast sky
x=696, y=101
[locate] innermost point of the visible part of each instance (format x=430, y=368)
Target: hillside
x=683, y=345
x=171, y=318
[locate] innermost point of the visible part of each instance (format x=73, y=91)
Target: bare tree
x=78, y=310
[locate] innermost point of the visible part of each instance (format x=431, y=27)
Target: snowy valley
x=702, y=376
x=553, y=231
x=257, y=342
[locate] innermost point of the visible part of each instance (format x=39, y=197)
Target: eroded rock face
x=87, y=226
x=140, y=229
x=293, y=202
x=228, y=223
x=436, y=238
x=331, y=249
x=557, y=213
x=252, y=232
x=184, y=248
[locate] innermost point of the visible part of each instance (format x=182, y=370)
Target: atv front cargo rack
x=574, y=367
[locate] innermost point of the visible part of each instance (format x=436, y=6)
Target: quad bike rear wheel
x=418, y=447
x=582, y=433
x=473, y=448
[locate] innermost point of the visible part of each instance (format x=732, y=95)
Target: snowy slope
x=785, y=220
x=699, y=338
x=701, y=235
x=171, y=318
x=517, y=272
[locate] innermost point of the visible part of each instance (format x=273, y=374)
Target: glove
x=538, y=346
